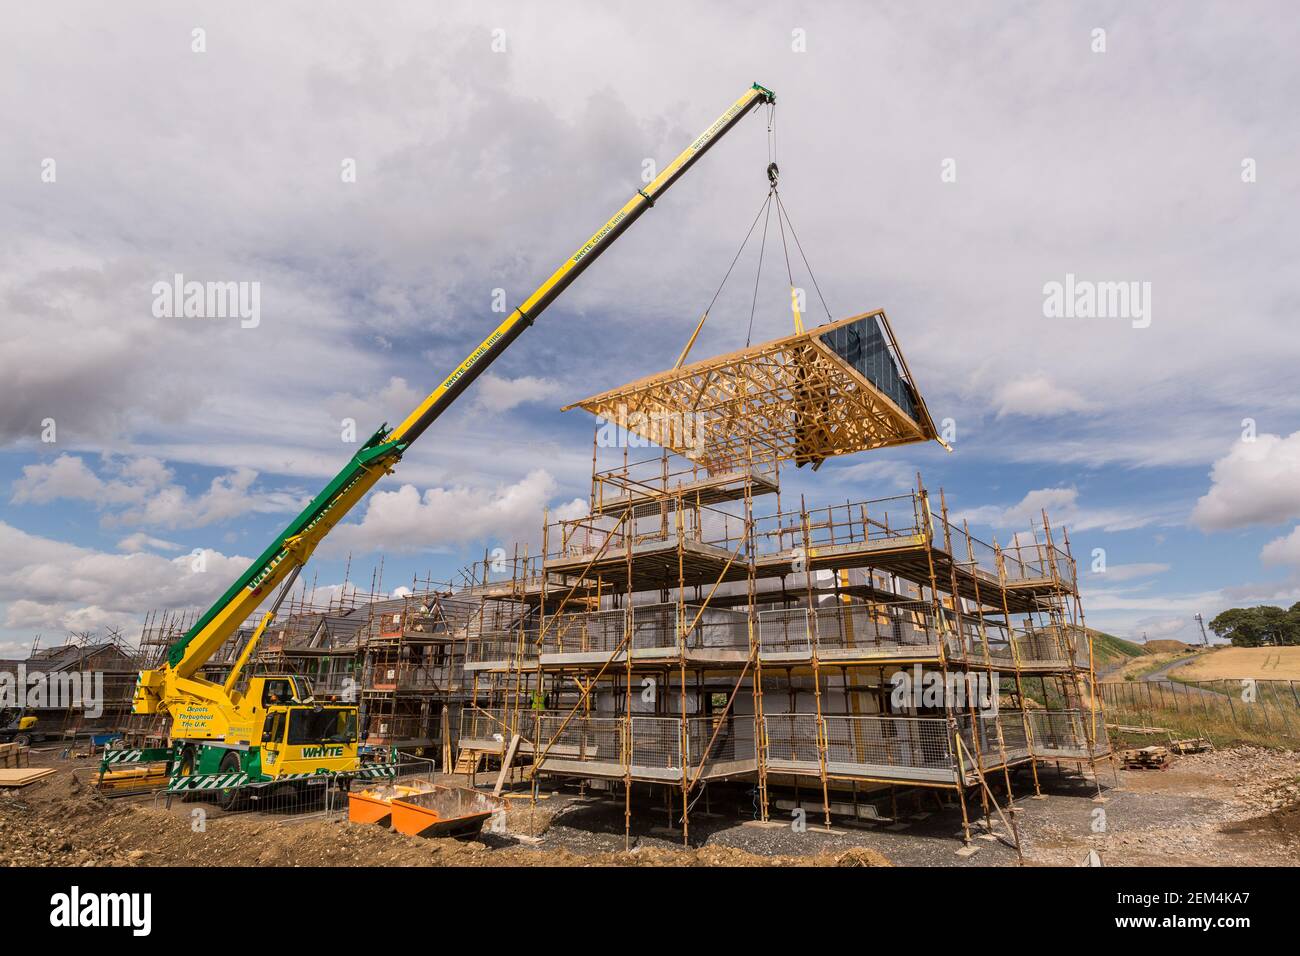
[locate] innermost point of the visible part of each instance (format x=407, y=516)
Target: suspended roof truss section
x=836, y=389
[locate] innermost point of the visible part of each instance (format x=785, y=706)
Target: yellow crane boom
x=377, y=457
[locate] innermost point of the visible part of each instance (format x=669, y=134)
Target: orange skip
x=376, y=805
x=444, y=811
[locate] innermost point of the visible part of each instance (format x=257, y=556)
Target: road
x=1162, y=674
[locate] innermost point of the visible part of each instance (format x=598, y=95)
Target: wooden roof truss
x=793, y=399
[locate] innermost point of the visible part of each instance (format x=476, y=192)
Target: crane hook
x=773, y=172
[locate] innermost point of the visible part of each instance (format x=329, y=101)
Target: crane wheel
x=232, y=797
x=185, y=767
x=23, y=740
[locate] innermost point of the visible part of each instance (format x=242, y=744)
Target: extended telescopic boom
x=384, y=449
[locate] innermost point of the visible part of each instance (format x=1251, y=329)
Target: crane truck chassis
x=273, y=734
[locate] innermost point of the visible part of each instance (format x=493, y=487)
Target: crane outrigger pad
x=836, y=389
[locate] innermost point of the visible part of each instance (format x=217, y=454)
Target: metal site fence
x=501, y=649
x=211, y=796
x=649, y=745
x=918, y=748
x=1269, y=708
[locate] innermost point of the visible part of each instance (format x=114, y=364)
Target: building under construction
x=102, y=669
x=696, y=626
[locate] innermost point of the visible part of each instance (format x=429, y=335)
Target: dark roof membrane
x=862, y=344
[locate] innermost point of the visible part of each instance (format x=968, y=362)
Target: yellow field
x=1232, y=663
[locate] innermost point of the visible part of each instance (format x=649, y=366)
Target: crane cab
x=312, y=738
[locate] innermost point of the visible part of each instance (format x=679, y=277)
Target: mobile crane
x=274, y=733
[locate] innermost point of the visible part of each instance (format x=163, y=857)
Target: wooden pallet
x=1191, y=745
x=1147, y=758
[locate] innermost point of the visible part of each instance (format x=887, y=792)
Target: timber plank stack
x=13, y=756
x=24, y=776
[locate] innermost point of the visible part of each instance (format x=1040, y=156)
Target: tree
x=1259, y=626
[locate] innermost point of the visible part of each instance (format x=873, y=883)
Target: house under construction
x=92, y=676
x=696, y=626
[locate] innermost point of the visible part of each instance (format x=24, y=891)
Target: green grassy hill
x=1108, y=649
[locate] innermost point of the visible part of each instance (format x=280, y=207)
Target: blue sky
x=489, y=141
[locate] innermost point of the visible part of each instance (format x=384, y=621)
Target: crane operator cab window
x=281, y=690
x=273, y=730
x=325, y=725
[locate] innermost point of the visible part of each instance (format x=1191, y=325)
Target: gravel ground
x=1237, y=807
x=1234, y=807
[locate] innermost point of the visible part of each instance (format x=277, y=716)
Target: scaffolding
x=412, y=657
x=692, y=627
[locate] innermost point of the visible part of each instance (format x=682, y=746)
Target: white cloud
x=1037, y=397
x=135, y=543
x=882, y=472
x=1178, y=628
x=52, y=585
x=1063, y=508
x=497, y=394
x=1126, y=611
x=369, y=409
x=1129, y=572
x=571, y=510
x=65, y=477
x=144, y=493
x=1283, y=551
x=1024, y=513
x=407, y=520
x=227, y=496
x=1257, y=482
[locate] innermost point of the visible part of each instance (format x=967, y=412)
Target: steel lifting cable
x=762, y=248
x=794, y=235
x=771, y=133
x=765, y=207
x=783, y=220
x=773, y=171
x=736, y=258
x=784, y=247
x=781, y=212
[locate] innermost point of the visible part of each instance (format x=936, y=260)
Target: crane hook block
x=773, y=173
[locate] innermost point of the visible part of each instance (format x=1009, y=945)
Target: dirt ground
x=1232, y=807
